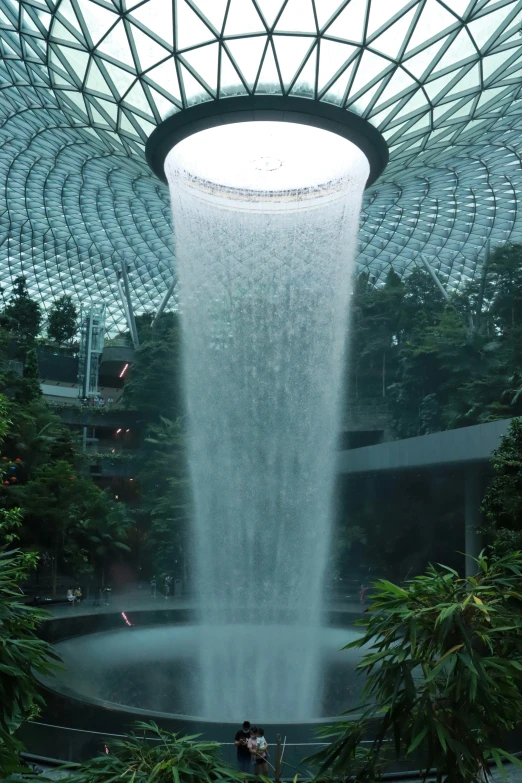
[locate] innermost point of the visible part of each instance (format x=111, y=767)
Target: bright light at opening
x=122, y=373
x=266, y=156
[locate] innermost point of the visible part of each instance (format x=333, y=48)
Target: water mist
x=265, y=217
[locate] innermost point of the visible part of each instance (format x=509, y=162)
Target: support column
x=472, y=518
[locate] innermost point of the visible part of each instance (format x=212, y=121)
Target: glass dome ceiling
x=84, y=83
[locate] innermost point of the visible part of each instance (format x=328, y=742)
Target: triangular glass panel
x=229, y=82
x=204, y=60
x=492, y=63
x=147, y=127
x=421, y=63
x=95, y=80
x=370, y=66
x=332, y=56
x=126, y=125
x=360, y=106
x=242, y=18
x=149, y=52
x=349, y=25
x=270, y=10
x=60, y=32
x=381, y=11
x=116, y=45
x=137, y=98
x=166, y=77
x=110, y=109
x=398, y=84
x=122, y=79
x=67, y=12
x=433, y=21
x=335, y=94
x=165, y=107
x=382, y=119
x=77, y=61
x=305, y=83
x=291, y=52
x=247, y=53
x=98, y=20
x=437, y=86
x=392, y=40
x=5, y=21
x=325, y=9
x=76, y=99
x=486, y=97
x=96, y=117
x=488, y=26
x=190, y=30
x=461, y=49
x=157, y=16
x=469, y=80
x=27, y=22
x=298, y=17
x=194, y=91
x=417, y=102
x=269, y=78
x=213, y=11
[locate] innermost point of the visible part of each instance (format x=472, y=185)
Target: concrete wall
x=453, y=447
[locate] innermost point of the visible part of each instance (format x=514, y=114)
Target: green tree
x=62, y=320
x=22, y=654
x=69, y=517
x=29, y=388
x=22, y=315
x=502, y=505
x=153, y=385
x=443, y=662
x=164, y=509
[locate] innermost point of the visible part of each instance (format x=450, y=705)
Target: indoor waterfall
x=264, y=250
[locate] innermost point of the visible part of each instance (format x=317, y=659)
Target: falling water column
x=264, y=245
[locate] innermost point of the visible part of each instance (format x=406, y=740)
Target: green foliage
x=156, y=755
x=153, y=383
x=443, y=666
x=165, y=502
x=22, y=315
x=502, y=504
x=72, y=519
x=440, y=365
x=62, y=320
x=22, y=654
x=29, y=387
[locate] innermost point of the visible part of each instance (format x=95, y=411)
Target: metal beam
x=124, y=303
x=435, y=278
x=165, y=300
x=132, y=322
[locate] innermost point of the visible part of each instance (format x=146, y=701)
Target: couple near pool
x=252, y=749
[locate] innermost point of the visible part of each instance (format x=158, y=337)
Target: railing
x=71, y=745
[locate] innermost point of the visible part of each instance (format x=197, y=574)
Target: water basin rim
x=302, y=111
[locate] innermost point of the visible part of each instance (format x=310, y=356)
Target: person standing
x=261, y=763
x=243, y=752
x=153, y=587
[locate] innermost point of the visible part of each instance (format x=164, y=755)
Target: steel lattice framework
x=84, y=82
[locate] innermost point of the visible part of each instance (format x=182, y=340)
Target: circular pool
x=154, y=671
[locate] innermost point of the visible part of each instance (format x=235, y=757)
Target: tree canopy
x=62, y=320
x=440, y=364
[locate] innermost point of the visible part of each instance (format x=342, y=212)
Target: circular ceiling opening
x=328, y=127
x=267, y=161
